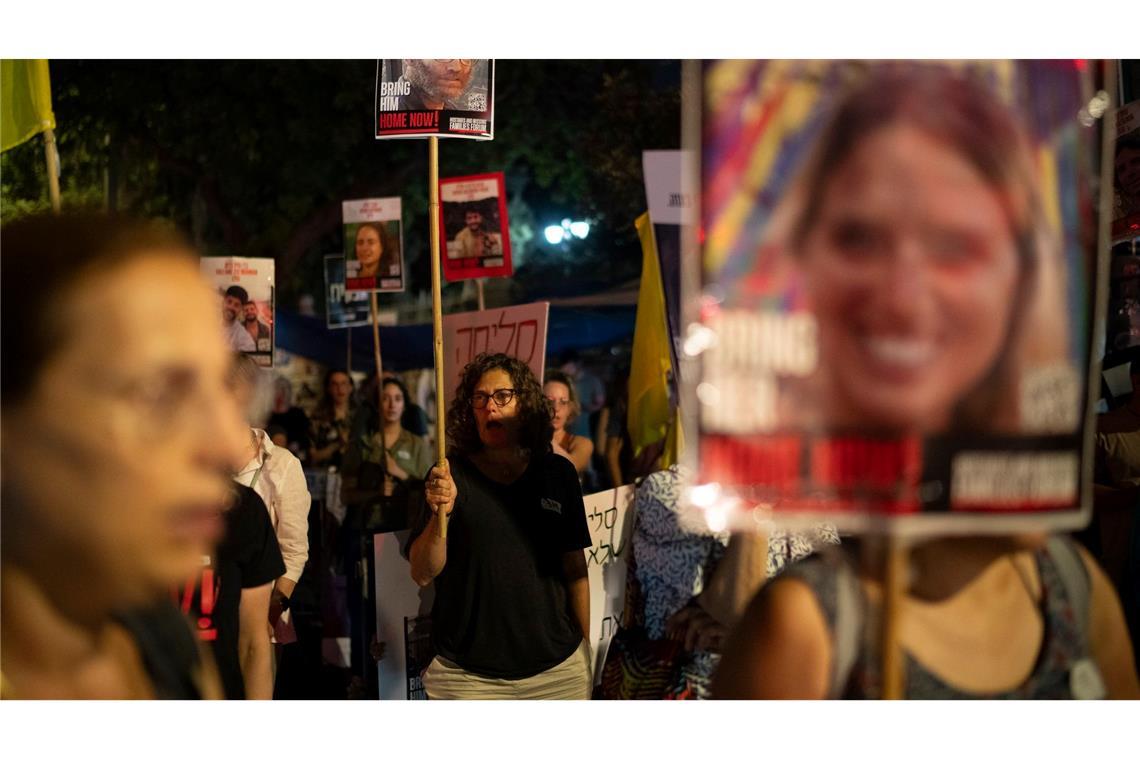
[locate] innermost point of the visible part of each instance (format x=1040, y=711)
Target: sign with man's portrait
x=473, y=220
x=444, y=97
x=245, y=290
x=373, y=245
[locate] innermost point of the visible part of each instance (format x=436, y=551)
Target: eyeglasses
x=559, y=402
x=502, y=397
x=464, y=61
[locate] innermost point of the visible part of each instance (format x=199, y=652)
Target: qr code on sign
x=477, y=101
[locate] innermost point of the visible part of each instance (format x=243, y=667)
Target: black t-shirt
x=167, y=647
x=501, y=607
x=248, y=556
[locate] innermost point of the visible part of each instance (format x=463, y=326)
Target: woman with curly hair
x=511, y=617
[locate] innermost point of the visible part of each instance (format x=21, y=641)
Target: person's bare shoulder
x=780, y=649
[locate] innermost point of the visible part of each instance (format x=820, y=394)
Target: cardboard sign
x=610, y=517
x=343, y=307
x=373, y=245
x=518, y=331
x=444, y=97
x=397, y=598
x=897, y=294
x=474, y=226
x=1126, y=174
x=245, y=290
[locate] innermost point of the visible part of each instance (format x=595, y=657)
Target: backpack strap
x=848, y=633
x=1075, y=580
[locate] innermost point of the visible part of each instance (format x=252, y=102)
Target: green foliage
x=253, y=158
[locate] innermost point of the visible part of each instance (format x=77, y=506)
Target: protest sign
x=373, y=245
x=441, y=97
x=519, y=331
x=473, y=218
x=609, y=515
x=245, y=290
x=343, y=308
x=898, y=288
x=398, y=599
x=1126, y=174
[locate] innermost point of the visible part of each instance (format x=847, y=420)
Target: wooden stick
x=894, y=589
x=379, y=364
x=52, y=169
x=479, y=292
x=437, y=312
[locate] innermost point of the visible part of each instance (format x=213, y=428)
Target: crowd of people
x=916, y=237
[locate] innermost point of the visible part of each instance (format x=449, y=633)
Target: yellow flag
x=650, y=417
x=25, y=101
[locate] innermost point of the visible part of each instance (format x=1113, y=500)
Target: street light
x=557, y=233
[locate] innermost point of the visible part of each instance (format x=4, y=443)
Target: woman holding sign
x=922, y=247
x=511, y=617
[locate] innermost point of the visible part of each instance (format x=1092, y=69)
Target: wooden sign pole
x=52, y=156
x=894, y=590
x=437, y=312
x=379, y=364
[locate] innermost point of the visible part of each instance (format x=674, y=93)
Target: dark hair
x=558, y=376
x=238, y=292
x=389, y=247
x=46, y=259
x=399, y=384
x=967, y=116
x=324, y=410
x=337, y=371
x=535, y=429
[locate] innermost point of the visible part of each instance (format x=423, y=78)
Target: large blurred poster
x=245, y=289
x=373, y=245
x=1126, y=173
x=476, y=231
x=445, y=97
x=897, y=293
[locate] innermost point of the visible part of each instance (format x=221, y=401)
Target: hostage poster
x=898, y=292
x=443, y=97
x=343, y=308
x=245, y=289
x=373, y=245
x=474, y=225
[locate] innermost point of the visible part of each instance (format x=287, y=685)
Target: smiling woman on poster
x=926, y=257
x=376, y=251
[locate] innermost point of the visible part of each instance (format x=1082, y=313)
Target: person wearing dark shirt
x=118, y=435
x=511, y=616
x=229, y=599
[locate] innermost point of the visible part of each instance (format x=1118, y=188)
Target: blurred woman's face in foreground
x=912, y=270
x=120, y=457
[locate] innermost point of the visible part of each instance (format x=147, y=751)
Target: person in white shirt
x=276, y=475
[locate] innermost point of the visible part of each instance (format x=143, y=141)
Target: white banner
x=518, y=331
x=610, y=517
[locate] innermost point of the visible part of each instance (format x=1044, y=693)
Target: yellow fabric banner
x=25, y=100
x=650, y=417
